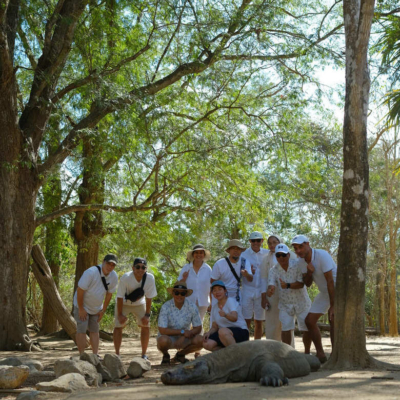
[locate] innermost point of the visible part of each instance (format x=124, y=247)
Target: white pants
x=252, y=305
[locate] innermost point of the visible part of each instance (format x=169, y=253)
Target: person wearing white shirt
x=317, y=266
x=228, y=326
x=252, y=290
x=242, y=268
x=286, y=277
x=197, y=275
x=144, y=284
x=97, y=284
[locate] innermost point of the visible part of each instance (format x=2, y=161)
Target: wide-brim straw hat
x=189, y=254
x=235, y=242
x=181, y=286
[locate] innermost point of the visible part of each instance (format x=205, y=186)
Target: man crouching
x=176, y=317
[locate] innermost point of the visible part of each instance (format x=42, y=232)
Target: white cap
x=299, y=239
x=256, y=235
x=281, y=248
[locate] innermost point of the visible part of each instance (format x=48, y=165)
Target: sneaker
x=166, y=360
x=144, y=356
x=180, y=358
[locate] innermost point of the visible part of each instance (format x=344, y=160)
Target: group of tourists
x=268, y=286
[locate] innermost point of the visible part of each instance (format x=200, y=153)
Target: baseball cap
x=139, y=260
x=111, y=258
x=256, y=235
x=218, y=283
x=281, y=248
x=299, y=239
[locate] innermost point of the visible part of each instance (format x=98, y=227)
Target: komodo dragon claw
x=273, y=381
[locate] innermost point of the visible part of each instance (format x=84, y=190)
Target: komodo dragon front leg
x=272, y=375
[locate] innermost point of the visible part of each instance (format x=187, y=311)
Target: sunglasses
x=255, y=240
x=180, y=293
x=140, y=266
x=280, y=255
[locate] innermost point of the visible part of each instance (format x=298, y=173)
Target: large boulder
x=13, y=377
x=89, y=371
x=115, y=366
x=138, y=367
x=66, y=383
x=33, y=365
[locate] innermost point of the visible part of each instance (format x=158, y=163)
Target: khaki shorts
x=91, y=323
x=138, y=311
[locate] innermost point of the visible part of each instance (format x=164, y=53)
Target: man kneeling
x=176, y=317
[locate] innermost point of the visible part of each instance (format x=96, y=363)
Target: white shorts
x=138, y=311
x=287, y=320
x=320, y=304
x=250, y=306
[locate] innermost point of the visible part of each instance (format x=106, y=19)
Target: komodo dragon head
x=194, y=372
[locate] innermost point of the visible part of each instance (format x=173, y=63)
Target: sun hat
x=299, y=239
x=235, y=242
x=218, y=283
x=282, y=248
x=256, y=235
x=189, y=254
x=111, y=258
x=181, y=285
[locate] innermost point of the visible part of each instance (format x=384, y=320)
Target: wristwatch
x=182, y=331
x=147, y=314
x=288, y=286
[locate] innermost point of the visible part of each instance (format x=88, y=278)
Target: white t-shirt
x=94, y=289
x=253, y=289
x=221, y=271
x=199, y=283
x=322, y=262
x=128, y=284
x=222, y=322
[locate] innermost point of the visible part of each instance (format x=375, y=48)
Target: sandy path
x=327, y=385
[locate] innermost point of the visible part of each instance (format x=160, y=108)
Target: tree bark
x=349, y=349
x=43, y=275
x=88, y=225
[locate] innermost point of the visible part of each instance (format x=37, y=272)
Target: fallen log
x=43, y=275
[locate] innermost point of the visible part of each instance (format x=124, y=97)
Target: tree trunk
x=349, y=349
x=43, y=275
x=52, y=201
x=393, y=328
x=380, y=283
x=88, y=226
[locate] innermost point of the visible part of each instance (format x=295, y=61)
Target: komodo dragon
x=267, y=361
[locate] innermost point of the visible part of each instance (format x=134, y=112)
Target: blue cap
x=218, y=283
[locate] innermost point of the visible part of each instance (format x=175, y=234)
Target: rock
x=34, y=394
x=114, y=365
x=104, y=372
x=89, y=371
x=33, y=365
x=99, y=378
x=65, y=383
x=90, y=358
x=138, y=367
x=39, y=376
x=13, y=377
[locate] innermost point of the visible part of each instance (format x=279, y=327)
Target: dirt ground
x=327, y=385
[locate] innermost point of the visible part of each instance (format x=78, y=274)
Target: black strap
x=232, y=270
x=103, y=279
x=144, y=279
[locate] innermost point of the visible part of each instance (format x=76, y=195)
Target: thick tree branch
x=93, y=76
x=27, y=47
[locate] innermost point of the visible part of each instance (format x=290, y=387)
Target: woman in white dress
x=197, y=275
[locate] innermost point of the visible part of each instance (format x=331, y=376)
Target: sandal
x=166, y=360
